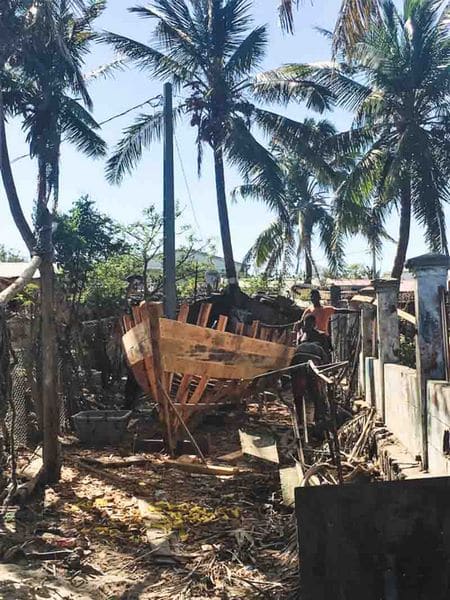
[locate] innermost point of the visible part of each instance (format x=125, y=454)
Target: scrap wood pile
x=355, y=446
x=141, y=524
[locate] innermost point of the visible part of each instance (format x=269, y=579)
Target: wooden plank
x=222, y=323
x=204, y=314
x=182, y=318
x=140, y=374
x=231, y=457
x=221, y=364
x=209, y=345
x=137, y=315
x=258, y=446
x=206, y=343
x=254, y=331
x=183, y=313
x=137, y=344
x=239, y=328
x=182, y=395
x=127, y=322
x=406, y=317
x=155, y=311
x=290, y=479
x=32, y=468
x=202, y=384
x=264, y=333
x=203, y=469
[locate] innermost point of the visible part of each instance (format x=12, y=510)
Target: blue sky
x=80, y=175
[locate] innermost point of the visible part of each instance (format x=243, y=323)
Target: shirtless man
x=312, y=334
x=322, y=313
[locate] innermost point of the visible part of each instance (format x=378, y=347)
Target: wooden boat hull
x=194, y=367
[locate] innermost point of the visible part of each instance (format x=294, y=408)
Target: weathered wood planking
x=190, y=349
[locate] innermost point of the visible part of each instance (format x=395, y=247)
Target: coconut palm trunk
x=10, y=187
x=49, y=374
x=224, y=222
x=308, y=256
x=405, y=226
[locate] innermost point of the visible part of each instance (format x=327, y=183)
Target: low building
x=10, y=271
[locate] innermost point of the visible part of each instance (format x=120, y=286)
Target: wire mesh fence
x=19, y=416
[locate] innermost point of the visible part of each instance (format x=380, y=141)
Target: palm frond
x=78, y=128
x=293, y=83
x=286, y=14
x=141, y=134
x=255, y=163
x=355, y=18
x=301, y=137
x=331, y=241
x=275, y=246
x=249, y=54
x=175, y=30
x=147, y=58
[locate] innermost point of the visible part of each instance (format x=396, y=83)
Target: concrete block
x=385, y=540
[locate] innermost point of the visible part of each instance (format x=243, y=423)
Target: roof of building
x=13, y=270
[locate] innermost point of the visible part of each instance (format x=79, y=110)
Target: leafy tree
x=142, y=255
x=8, y=255
x=105, y=292
x=398, y=85
x=261, y=283
x=84, y=237
x=207, y=49
x=356, y=271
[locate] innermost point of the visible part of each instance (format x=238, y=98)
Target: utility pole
x=170, y=292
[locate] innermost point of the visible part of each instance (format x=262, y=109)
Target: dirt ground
x=225, y=537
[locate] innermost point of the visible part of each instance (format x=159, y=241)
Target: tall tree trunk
x=10, y=187
x=305, y=241
x=230, y=266
x=405, y=226
x=50, y=400
x=308, y=260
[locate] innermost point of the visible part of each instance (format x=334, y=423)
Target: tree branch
x=12, y=290
x=10, y=186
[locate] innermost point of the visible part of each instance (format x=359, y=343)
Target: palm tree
x=306, y=212
x=399, y=87
x=52, y=44
x=17, y=20
x=207, y=49
x=282, y=244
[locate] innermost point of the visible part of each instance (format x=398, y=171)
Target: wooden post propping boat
x=188, y=369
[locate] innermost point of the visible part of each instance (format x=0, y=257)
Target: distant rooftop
x=13, y=270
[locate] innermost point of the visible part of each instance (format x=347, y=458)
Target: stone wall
x=439, y=427
x=403, y=410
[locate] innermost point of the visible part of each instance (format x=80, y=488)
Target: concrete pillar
x=430, y=272
x=335, y=295
x=367, y=317
x=338, y=326
x=387, y=329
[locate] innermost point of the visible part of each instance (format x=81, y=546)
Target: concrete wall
x=403, y=411
x=378, y=386
x=369, y=381
x=373, y=384
x=438, y=394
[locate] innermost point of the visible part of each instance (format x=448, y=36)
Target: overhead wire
x=186, y=183
x=153, y=102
